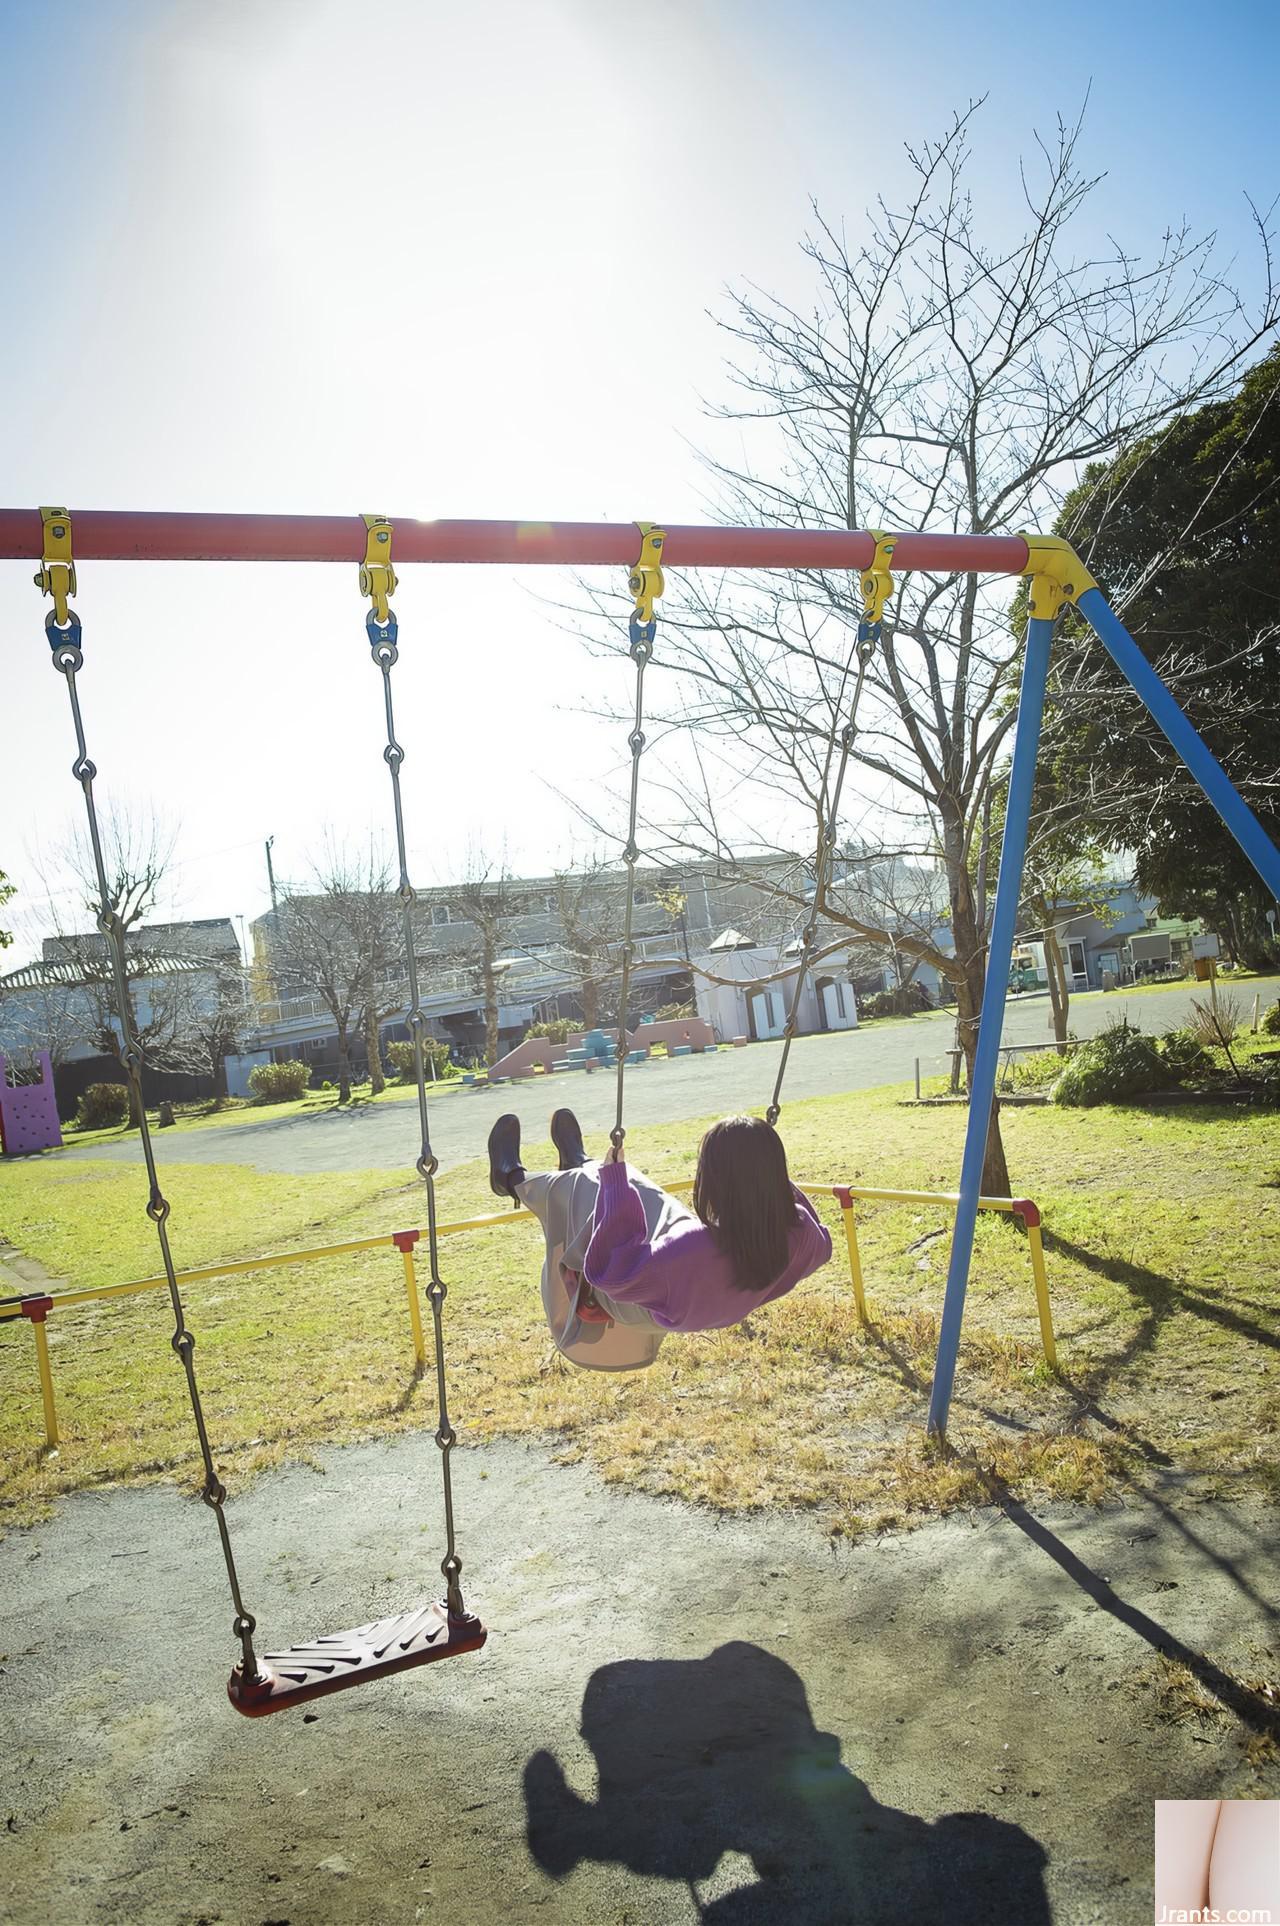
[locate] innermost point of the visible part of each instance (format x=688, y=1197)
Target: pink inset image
x=1217, y=1860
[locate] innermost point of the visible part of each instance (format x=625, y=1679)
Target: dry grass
x=1163, y=1250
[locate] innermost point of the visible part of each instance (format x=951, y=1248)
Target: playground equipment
x=1057, y=579
x=37, y=1307
x=28, y=1112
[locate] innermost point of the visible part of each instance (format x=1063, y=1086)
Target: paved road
x=385, y=1135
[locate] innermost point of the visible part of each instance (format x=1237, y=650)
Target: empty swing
x=438, y=1629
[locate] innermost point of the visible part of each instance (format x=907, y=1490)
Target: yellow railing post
x=845, y=1201
x=1035, y=1245
x=37, y=1310
x=404, y=1242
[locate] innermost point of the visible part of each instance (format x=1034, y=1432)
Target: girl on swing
x=626, y=1262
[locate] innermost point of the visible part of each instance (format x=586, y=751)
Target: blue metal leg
x=1013, y=850
x=1204, y=766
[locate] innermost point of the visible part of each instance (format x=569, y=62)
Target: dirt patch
x=676, y=1717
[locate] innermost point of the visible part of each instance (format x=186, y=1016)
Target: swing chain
x=646, y=582
x=378, y=581
x=877, y=587
x=57, y=578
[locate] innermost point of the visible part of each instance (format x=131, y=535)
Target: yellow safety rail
x=37, y=1308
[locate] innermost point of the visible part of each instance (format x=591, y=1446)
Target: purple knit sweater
x=681, y=1276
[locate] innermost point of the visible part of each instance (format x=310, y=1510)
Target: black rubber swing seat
x=339, y=1660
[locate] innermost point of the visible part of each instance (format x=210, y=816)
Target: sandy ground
x=662, y=1092
x=676, y=1717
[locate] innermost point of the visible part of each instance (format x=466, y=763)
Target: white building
x=748, y=1006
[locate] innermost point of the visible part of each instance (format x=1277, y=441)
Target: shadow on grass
x=1161, y=1295
x=696, y=1758
x=1251, y=1708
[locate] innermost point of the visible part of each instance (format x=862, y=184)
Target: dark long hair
x=742, y=1192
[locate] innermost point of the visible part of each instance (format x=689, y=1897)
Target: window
x=643, y=896
x=440, y=914
x=551, y=905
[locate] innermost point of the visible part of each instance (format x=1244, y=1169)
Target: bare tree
x=221, y=1019
x=590, y=912
x=167, y=990
x=386, y=992
x=329, y=941
x=937, y=380
x=487, y=901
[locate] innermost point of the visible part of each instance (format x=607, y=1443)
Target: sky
x=428, y=260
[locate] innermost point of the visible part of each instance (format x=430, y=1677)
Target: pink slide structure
x=29, y=1112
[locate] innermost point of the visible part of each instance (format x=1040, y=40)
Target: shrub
x=1216, y=1022
x=675, y=1012
x=1036, y=1070
x=279, y=1082
x=555, y=1029
x=1118, y=1063
x=1185, y=1055
x=912, y=999
x=1271, y=1020
x=102, y=1105
x=435, y=1057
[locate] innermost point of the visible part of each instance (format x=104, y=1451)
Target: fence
x=36, y=1308
x=954, y=1059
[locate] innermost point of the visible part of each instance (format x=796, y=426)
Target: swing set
x=444, y=1627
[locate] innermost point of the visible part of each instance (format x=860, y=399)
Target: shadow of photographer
x=698, y=1758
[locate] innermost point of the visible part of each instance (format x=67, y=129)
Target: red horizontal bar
x=116, y=535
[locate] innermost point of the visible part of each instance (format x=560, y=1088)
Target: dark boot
x=566, y=1135
x=505, y=1168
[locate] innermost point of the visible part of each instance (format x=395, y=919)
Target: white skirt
x=564, y=1203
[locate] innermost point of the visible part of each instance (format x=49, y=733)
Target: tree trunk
x=971, y=956
x=590, y=1003
x=132, y=1085
x=491, y=1036
x=344, y=1066
x=1059, y=995
x=373, y=1045
x=218, y=1065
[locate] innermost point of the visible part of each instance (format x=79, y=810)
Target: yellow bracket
x=1057, y=575
x=877, y=582
x=57, y=573
x=646, y=581
x=377, y=577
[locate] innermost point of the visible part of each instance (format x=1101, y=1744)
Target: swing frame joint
x=646, y=582
x=877, y=586
x=377, y=576
x=1058, y=576
x=56, y=575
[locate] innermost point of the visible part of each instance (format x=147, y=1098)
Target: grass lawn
x=240, y=1110
x=1251, y=982
x=1163, y=1241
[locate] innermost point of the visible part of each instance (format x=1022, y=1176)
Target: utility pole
x=271, y=875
